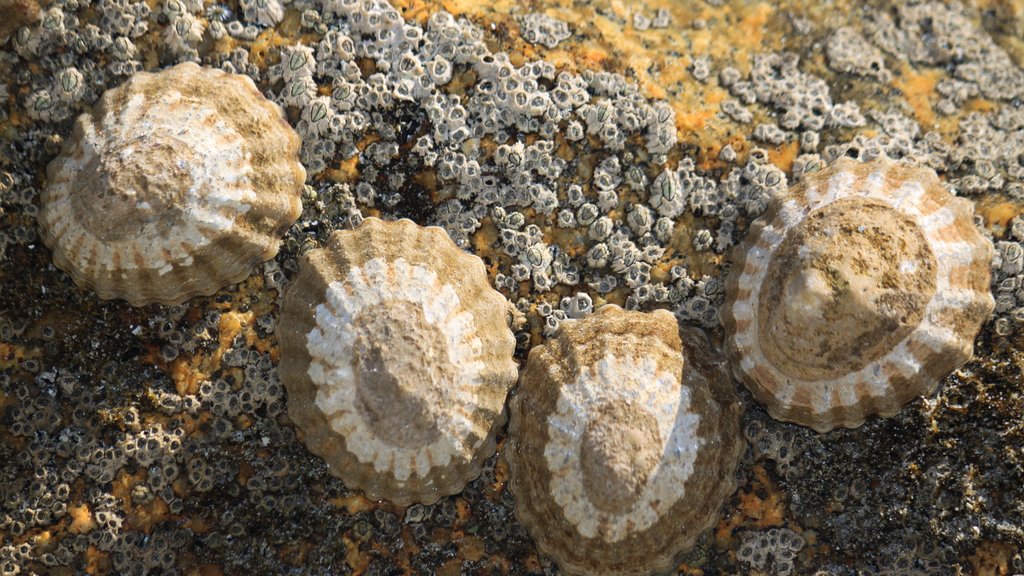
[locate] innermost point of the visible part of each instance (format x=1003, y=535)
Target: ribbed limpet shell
x=857, y=291
x=397, y=357
x=623, y=444
x=177, y=184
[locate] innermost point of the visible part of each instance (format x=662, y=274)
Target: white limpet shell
x=175, y=185
x=624, y=439
x=857, y=291
x=397, y=356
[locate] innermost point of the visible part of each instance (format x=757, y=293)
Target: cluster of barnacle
x=985, y=157
x=935, y=33
x=1008, y=280
x=410, y=86
x=543, y=29
x=75, y=454
x=773, y=550
x=784, y=446
x=850, y=52
x=662, y=19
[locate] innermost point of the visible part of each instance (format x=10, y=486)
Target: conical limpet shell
x=856, y=292
x=397, y=357
x=177, y=184
x=623, y=443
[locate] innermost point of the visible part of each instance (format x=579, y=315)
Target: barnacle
x=17, y=13
x=397, y=357
x=624, y=440
x=177, y=184
x=858, y=291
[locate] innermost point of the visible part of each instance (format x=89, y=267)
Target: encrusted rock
x=177, y=184
x=17, y=13
x=624, y=440
x=397, y=357
x=857, y=291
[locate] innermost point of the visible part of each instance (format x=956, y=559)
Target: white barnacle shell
x=857, y=291
x=14, y=14
x=397, y=357
x=623, y=442
x=176, y=184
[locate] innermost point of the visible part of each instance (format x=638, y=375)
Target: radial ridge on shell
x=175, y=185
x=397, y=357
x=623, y=442
x=857, y=291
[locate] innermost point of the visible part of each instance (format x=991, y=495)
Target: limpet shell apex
x=857, y=291
x=624, y=439
x=397, y=357
x=175, y=185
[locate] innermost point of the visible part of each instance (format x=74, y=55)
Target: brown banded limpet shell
x=856, y=292
x=175, y=185
x=624, y=439
x=397, y=357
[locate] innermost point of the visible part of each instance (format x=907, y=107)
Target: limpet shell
x=397, y=357
x=177, y=184
x=624, y=439
x=856, y=292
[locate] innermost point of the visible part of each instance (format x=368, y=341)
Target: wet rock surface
x=618, y=164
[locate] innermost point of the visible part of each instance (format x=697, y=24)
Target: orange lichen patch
x=918, y=87
x=352, y=504
x=690, y=118
x=353, y=557
x=784, y=155
x=262, y=45
x=346, y=171
x=96, y=561
x=763, y=512
x=992, y=558
x=189, y=372
x=998, y=214
x=81, y=519
x=186, y=375
x=146, y=516
x=122, y=485
x=142, y=517
x=980, y=105
x=761, y=505
x=232, y=324
x=11, y=355
x=420, y=12
x=749, y=31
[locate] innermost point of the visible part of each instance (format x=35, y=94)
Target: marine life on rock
x=15, y=14
x=857, y=291
x=397, y=357
x=623, y=443
x=177, y=184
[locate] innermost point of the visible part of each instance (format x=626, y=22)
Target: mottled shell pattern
x=177, y=184
x=397, y=356
x=857, y=291
x=623, y=442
